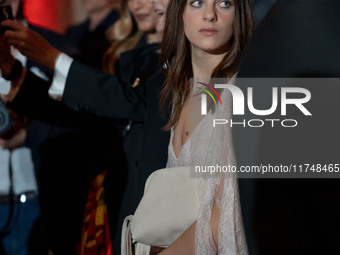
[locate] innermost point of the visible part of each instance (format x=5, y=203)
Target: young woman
x=136, y=27
x=206, y=42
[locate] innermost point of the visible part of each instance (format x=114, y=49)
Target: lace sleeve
x=220, y=213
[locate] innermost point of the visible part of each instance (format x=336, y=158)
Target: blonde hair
x=123, y=35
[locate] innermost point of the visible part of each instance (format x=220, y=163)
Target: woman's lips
x=208, y=31
x=141, y=17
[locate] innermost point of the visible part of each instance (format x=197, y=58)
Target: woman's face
x=144, y=13
x=209, y=24
x=160, y=8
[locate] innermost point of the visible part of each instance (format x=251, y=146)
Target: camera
x=5, y=13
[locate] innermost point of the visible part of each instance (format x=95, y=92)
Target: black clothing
x=94, y=93
x=145, y=143
x=92, y=44
x=261, y=9
x=37, y=139
x=294, y=216
x=68, y=149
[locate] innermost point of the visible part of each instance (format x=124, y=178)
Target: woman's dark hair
x=176, y=59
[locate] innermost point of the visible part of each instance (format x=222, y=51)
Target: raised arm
x=31, y=44
x=85, y=89
x=92, y=91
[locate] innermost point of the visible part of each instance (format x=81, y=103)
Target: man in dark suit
x=37, y=135
x=65, y=150
x=261, y=9
x=92, y=92
x=91, y=35
x=294, y=216
x=115, y=97
x=140, y=104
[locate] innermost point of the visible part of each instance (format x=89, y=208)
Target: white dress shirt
x=62, y=67
x=20, y=159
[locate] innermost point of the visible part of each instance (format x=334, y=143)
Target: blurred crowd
x=87, y=116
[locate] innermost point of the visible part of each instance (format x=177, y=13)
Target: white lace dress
x=211, y=146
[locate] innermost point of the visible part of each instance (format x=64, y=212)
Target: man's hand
x=7, y=61
x=30, y=43
x=15, y=86
x=16, y=135
x=15, y=141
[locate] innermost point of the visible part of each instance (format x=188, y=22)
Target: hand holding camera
x=29, y=43
x=5, y=14
x=7, y=62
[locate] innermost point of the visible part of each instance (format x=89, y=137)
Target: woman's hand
x=31, y=44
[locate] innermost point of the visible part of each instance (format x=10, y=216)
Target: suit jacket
x=85, y=39
x=261, y=9
x=68, y=147
x=113, y=96
x=92, y=92
x=287, y=216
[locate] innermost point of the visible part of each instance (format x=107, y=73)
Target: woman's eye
x=196, y=3
x=225, y=4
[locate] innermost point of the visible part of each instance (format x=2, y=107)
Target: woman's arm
x=185, y=244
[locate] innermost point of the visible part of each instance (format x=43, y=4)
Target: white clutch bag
x=170, y=204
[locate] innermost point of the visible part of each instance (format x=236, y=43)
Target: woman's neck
x=203, y=63
x=154, y=37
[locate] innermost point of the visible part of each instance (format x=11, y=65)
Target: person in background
x=74, y=162
x=91, y=36
x=132, y=57
x=288, y=215
x=261, y=8
x=20, y=220
x=129, y=95
x=19, y=205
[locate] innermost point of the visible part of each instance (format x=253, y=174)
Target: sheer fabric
x=209, y=146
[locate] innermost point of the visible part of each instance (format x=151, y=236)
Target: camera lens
x=5, y=119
